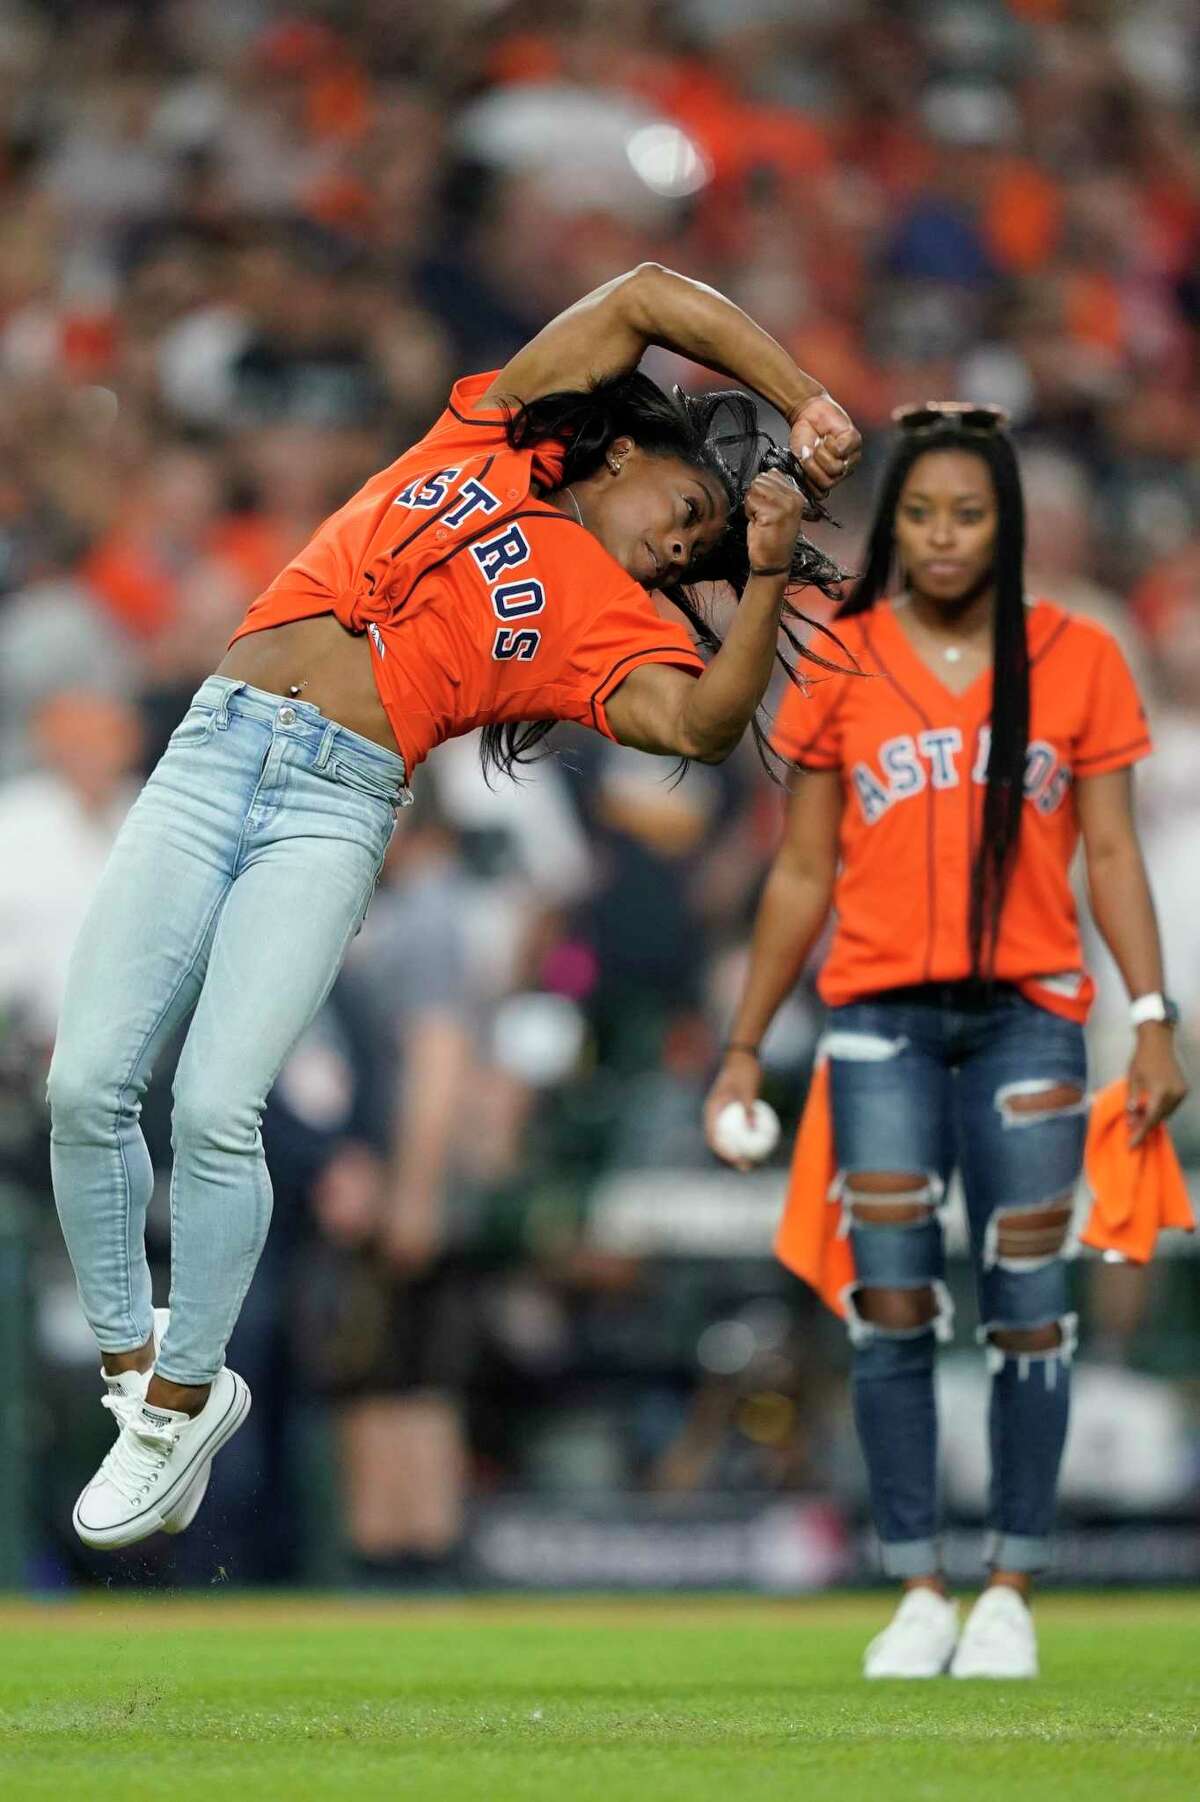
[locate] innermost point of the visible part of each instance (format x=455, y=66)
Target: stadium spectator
x=58, y=822
x=386, y=1298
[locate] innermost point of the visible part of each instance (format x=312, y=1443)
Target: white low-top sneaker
x=157, y=1458
x=999, y=1638
x=919, y=1639
x=125, y=1395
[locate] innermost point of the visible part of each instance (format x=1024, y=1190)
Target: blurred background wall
x=244, y=251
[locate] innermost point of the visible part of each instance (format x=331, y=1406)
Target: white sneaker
x=919, y=1639
x=126, y=1393
x=999, y=1638
x=157, y=1458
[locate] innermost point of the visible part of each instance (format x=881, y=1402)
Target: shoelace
x=120, y=1405
x=139, y=1454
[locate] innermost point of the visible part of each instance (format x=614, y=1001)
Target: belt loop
x=325, y=748
x=230, y=689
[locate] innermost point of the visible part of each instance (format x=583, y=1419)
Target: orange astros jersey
x=913, y=762
x=482, y=602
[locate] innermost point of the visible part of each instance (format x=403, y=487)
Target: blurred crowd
x=244, y=252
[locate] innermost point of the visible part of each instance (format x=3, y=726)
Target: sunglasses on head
x=961, y=415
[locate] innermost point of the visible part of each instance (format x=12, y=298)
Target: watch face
x=1170, y=1011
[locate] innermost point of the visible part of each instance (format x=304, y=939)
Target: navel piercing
x=295, y=687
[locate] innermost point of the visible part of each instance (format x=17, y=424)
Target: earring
x=615, y=465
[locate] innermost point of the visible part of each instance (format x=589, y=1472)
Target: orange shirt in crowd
x=912, y=757
x=482, y=603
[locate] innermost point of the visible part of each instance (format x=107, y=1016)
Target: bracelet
x=776, y=569
x=741, y=1045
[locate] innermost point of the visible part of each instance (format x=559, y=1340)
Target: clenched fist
x=775, y=510
x=826, y=440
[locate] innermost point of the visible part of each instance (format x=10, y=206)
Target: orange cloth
x=1135, y=1192
x=810, y=1240
x=482, y=603
x=912, y=756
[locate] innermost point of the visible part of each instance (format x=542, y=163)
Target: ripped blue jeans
x=924, y=1080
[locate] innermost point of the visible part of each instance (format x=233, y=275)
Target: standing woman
x=496, y=575
x=938, y=815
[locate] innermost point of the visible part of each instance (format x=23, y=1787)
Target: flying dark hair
x=716, y=432
x=996, y=852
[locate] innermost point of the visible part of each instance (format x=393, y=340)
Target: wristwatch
x=1153, y=1007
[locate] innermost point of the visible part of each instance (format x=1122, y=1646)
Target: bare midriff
x=330, y=666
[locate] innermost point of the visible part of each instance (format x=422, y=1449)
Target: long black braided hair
x=717, y=432
x=996, y=851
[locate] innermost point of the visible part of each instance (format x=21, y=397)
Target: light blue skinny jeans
x=238, y=880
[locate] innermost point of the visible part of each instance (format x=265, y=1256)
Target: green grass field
x=573, y=1701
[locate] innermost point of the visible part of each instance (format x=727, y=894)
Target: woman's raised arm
x=606, y=333
x=660, y=709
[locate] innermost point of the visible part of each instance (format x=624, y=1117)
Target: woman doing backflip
x=497, y=576
x=938, y=816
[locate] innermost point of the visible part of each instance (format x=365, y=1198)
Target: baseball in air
x=754, y=1138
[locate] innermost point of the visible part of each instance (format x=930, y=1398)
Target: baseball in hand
x=754, y=1139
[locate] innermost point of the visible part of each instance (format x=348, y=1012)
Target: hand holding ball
x=738, y=1138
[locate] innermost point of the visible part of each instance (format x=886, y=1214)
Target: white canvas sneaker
x=126, y=1393
x=157, y=1458
x=999, y=1638
x=919, y=1639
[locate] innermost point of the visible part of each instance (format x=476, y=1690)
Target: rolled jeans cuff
x=909, y=1557
x=1016, y=1551
x=138, y=1342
